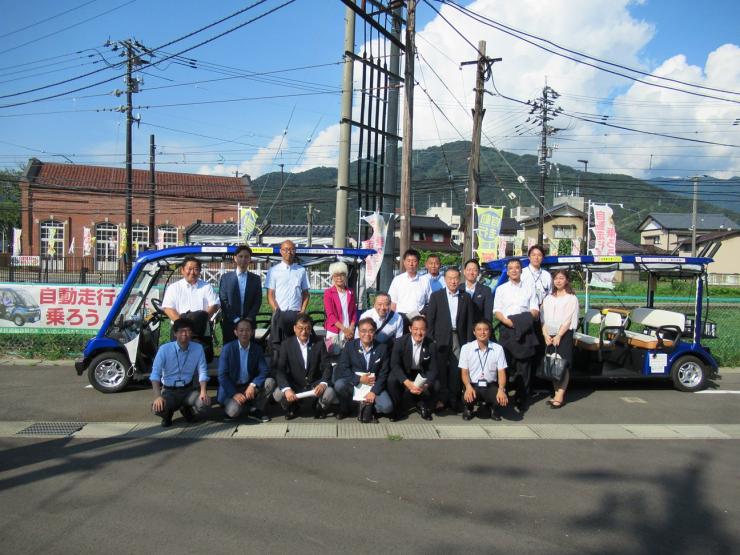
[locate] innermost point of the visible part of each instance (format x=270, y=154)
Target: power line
x=37, y=23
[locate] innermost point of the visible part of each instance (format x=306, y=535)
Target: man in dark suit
x=414, y=370
x=243, y=375
x=450, y=320
x=240, y=293
x=303, y=366
x=480, y=294
x=363, y=361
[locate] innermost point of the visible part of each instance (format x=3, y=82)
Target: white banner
x=54, y=308
x=17, y=241
x=71, y=249
x=605, y=243
x=377, y=242
x=86, y=241
x=160, y=239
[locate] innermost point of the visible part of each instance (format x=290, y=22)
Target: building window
x=564, y=231
x=166, y=236
x=52, y=239
x=438, y=237
x=140, y=235
x=656, y=240
x=106, y=242
x=418, y=236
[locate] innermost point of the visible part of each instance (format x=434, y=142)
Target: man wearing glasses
x=287, y=293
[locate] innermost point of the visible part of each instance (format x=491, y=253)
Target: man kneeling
x=243, y=380
x=363, y=362
x=172, y=376
x=303, y=371
x=483, y=372
x=414, y=370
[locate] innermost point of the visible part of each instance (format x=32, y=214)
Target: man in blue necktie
x=240, y=293
x=172, y=376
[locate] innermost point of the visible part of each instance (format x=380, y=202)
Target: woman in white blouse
x=559, y=320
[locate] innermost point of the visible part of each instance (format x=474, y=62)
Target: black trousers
x=402, y=397
x=281, y=327
x=450, y=380
x=485, y=395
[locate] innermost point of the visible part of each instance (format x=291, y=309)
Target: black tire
x=19, y=320
x=689, y=373
x=109, y=372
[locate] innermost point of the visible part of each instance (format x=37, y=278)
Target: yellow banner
x=487, y=232
x=247, y=222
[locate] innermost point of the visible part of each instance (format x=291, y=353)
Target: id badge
x=482, y=383
x=179, y=383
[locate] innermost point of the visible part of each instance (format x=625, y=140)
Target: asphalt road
x=56, y=393
x=370, y=496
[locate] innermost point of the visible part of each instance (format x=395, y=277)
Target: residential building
x=561, y=222
x=445, y=213
x=724, y=248
x=667, y=230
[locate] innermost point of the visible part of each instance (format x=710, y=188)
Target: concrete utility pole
x=483, y=64
x=309, y=233
x=693, y=214
x=129, y=171
x=345, y=132
x=152, y=191
x=390, y=179
x=408, y=121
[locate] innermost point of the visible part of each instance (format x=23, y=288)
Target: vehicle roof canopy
x=673, y=266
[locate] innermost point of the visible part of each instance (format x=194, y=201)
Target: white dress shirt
x=409, y=293
x=514, y=299
x=482, y=364
x=184, y=297
x=392, y=330
x=452, y=300
x=540, y=281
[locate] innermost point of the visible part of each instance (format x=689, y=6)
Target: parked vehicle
x=645, y=342
x=18, y=306
x=125, y=347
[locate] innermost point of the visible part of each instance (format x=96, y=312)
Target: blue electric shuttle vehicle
x=620, y=342
x=123, y=350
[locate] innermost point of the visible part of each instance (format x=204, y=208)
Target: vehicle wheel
x=18, y=320
x=689, y=374
x=108, y=372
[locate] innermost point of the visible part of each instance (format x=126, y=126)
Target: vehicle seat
x=595, y=317
x=664, y=326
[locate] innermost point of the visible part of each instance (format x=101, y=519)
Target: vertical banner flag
x=247, y=222
x=86, y=242
x=376, y=242
x=17, y=241
x=160, y=239
x=487, y=232
x=121, y=241
x=51, y=249
x=531, y=242
x=71, y=250
x=575, y=249
x=605, y=243
x=519, y=242
x=501, y=248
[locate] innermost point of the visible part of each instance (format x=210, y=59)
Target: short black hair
x=367, y=321
x=434, y=255
x=417, y=319
x=241, y=248
x=515, y=261
x=411, y=252
x=483, y=321
x=304, y=318
x=452, y=269
x=182, y=323
x=191, y=258
x=472, y=261
x=537, y=247
x=245, y=319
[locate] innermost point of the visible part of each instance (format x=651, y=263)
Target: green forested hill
x=440, y=175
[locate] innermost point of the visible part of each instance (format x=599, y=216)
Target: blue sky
x=222, y=134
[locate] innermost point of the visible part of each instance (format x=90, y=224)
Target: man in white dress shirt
x=390, y=324
x=541, y=283
x=409, y=291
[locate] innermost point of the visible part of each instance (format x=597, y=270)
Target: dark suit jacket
x=519, y=342
x=402, y=360
x=290, y=370
x=352, y=360
x=439, y=325
x=231, y=305
x=229, y=367
x=482, y=302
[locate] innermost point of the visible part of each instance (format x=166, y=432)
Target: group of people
x=426, y=343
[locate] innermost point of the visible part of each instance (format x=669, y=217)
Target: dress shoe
x=484, y=412
x=467, y=413
x=522, y=404
x=167, y=419
x=425, y=413
x=259, y=415
x=495, y=415
x=319, y=413
x=187, y=413
x=341, y=415
x=292, y=412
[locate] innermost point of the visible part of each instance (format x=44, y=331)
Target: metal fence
x=62, y=269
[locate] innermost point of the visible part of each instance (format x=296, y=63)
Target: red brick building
x=58, y=201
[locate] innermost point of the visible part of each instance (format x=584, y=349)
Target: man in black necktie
x=240, y=293
x=303, y=371
x=414, y=371
x=450, y=321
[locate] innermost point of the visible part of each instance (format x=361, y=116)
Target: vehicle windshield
x=24, y=298
x=135, y=307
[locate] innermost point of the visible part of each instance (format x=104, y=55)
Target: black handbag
x=367, y=413
x=554, y=366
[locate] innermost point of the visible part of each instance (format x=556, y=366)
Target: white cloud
x=263, y=161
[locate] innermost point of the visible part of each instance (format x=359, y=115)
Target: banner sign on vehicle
x=54, y=308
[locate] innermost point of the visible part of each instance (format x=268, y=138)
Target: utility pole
x=129, y=162
x=693, y=214
x=309, y=234
x=345, y=132
x=152, y=191
x=543, y=111
x=483, y=64
x=390, y=180
x=408, y=120
x=588, y=200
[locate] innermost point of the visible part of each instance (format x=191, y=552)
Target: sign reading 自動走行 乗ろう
x=54, y=308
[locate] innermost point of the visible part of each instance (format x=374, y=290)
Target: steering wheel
x=157, y=305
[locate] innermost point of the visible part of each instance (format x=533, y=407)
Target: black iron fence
x=61, y=269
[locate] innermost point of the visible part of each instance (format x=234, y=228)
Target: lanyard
x=184, y=362
x=483, y=362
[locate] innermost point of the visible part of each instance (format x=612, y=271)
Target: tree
x=10, y=203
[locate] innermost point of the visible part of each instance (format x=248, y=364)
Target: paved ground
x=621, y=469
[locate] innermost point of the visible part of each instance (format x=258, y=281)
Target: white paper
x=658, y=363
x=420, y=381
x=361, y=391
x=305, y=394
